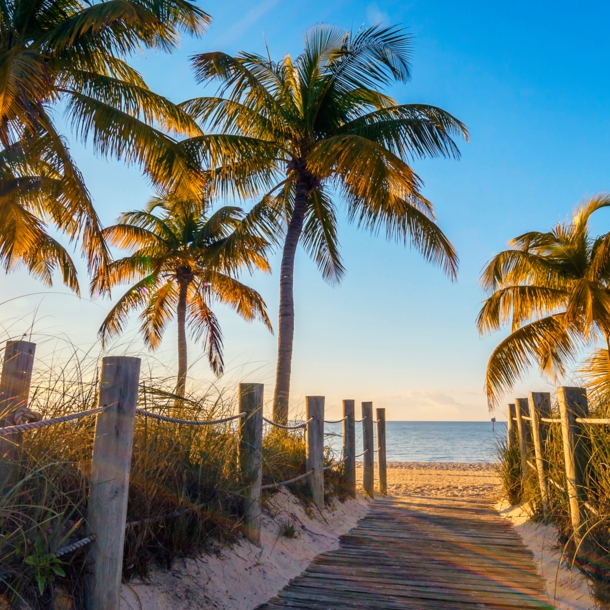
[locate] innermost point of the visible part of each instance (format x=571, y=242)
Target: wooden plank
x=14, y=394
x=349, y=446
x=314, y=410
x=368, y=446
x=430, y=554
x=109, y=481
x=251, y=456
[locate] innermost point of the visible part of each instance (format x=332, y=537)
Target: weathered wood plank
x=427, y=553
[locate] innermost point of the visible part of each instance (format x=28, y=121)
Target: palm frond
x=545, y=342
x=204, y=325
x=320, y=239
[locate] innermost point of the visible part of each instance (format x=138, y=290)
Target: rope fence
x=70, y=548
x=335, y=421
x=282, y=427
x=294, y=480
x=188, y=422
x=43, y=423
x=112, y=462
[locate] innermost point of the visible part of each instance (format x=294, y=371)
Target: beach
x=242, y=577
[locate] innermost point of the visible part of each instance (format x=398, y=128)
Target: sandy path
x=243, y=577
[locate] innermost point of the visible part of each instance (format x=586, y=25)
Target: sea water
x=423, y=441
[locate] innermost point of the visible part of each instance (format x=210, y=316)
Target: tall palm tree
x=315, y=131
x=72, y=53
x=182, y=260
x=554, y=290
x=31, y=192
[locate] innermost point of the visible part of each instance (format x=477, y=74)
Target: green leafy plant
x=46, y=565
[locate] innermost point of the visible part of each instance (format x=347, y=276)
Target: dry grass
x=174, y=467
x=592, y=555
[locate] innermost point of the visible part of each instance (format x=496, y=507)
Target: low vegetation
x=185, y=471
x=592, y=552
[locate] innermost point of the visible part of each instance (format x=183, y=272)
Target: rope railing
x=43, y=423
x=361, y=454
x=335, y=421
x=550, y=420
x=526, y=417
x=188, y=422
x=70, y=548
x=274, y=485
x=359, y=421
x=335, y=464
x=282, y=427
x=592, y=420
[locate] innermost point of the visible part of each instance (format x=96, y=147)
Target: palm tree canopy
x=31, y=192
x=554, y=290
x=320, y=121
x=74, y=52
x=174, y=241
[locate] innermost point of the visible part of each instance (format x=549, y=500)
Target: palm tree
x=182, y=261
x=554, y=290
x=30, y=192
x=317, y=130
x=72, y=53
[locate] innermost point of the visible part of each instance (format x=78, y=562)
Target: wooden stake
x=381, y=454
x=14, y=393
x=251, y=456
x=368, y=445
x=522, y=409
x=540, y=406
x=110, y=467
x=314, y=408
x=573, y=404
x=349, y=446
x=511, y=426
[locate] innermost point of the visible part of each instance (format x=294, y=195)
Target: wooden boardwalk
x=429, y=553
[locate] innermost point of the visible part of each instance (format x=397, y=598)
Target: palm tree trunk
x=285, y=337
x=181, y=314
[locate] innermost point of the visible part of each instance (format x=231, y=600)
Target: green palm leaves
x=74, y=52
x=183, y=260
x=317, y=131
x=554, y=290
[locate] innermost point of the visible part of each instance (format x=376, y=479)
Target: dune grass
x=174, y=468
x=592, y=553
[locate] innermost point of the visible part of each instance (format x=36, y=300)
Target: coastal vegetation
x=183, y=258
x=292, y=140
x=553, y=289
x=315, y=132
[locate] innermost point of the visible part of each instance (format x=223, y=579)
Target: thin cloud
x=249, y=19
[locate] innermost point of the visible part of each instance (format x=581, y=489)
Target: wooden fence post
x=511, y=426
x=368, y=445
x=109, y=483
x=251, y=456
x=381, y=457
x=14, y=393
x=349, y=446
x=540, y=406
x=315, y=447
x=522, y=409
x=573, y=404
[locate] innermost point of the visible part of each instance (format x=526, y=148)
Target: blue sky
x=532, y=83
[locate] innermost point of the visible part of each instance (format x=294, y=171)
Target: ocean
x=422, y=441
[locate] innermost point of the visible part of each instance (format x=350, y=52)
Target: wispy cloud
x=376, y=16
x=249, y=19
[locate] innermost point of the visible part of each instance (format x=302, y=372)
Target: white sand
x=566, y=587
x=245, y=576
